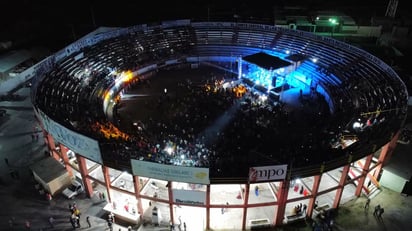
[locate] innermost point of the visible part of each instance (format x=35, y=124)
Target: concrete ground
x=20, y=201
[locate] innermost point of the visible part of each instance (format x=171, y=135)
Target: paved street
x=20, y=200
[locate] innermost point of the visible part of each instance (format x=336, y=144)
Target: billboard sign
x=170, y=172
x=190, y=197
x=267, y=173
x=76, y=142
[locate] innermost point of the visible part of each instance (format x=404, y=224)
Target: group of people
x=203, y=144
x=300, y=209
x=179, y=226
x=75, y=216
x=378, y=211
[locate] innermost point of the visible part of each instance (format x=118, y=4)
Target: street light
x=333, y=22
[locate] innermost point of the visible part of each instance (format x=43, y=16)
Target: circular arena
x=236, y=124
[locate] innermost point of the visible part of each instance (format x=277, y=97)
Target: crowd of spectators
x=209, y=124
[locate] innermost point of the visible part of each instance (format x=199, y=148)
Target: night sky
x=57, y=23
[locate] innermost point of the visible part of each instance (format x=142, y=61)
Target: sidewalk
x=20, y=200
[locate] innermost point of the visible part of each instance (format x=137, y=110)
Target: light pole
x=333, y=22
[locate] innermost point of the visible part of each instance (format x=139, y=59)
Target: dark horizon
x=57, y=23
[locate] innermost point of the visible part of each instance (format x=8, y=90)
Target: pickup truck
x=74, y=189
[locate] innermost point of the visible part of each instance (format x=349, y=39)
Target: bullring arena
x=219, y=125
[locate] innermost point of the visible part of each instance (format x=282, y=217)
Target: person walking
x=110, y=223
x=381, y=211
x=172, y=226
x=305, y=207
x=73, y=222
x=111, y=217
x=78, y=222
x=377, y=209
x=367, y=203
x=7, y=162
x=88, y=221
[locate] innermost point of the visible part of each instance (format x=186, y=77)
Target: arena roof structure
x=199, y=126
x=361, y=102
x=266, y=61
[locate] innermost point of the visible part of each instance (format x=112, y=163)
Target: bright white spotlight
x=263, y=98
x=169, y=150
x=357, y=125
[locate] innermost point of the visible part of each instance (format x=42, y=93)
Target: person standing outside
x=73, y=222
x=257, y=190
x=172, y=226
x=78, y=222
x=305, y=207
x=180, y=222
x=88, y=221
x=380, y=212
x=377, y=210
x=367, y=203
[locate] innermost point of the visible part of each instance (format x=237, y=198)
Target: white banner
x=78, y=143
x=190, y=197
x=267, y=173
x=170, y=172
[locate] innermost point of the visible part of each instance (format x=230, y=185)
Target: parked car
x=74, y=189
